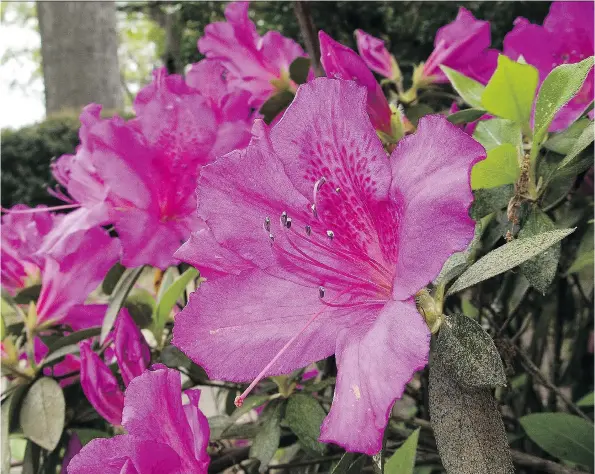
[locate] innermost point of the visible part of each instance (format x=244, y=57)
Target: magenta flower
x=375, y=55
x=72, y=449
x=462, y=45
x=163, y=436
x=142, y=173
x=317, y=243
x=256, y=64
x=566, y=37
x=98, y=382
x=342, y=62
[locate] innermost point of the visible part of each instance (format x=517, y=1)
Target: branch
x=309, y=33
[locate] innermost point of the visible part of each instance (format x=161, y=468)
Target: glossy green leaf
x=511, y=90
x=298, y=70
x=495, y=132
x=561, y=85
x=500, y=167
x=587, y=401
x=118, y=296
x=112, y=278
x=465, y=116
x=403, y=459
x=169, y=299
x=506, y=257
x=42, y=413
x=469, y=89
x=567, y=437
x=304, y=416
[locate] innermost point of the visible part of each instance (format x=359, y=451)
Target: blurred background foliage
x=153, y=34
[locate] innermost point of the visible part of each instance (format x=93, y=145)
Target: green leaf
x=562, y=142
x=490, y=200
x=561, y=85
x=266, y=442
x=4, y=434
x=540, y=270
x=167, y=279
x=567, y=437
x=500, y=167
x=350, y=463
x=465, y=116
x=469, y=89
x=31, y=459
x=495, y=132
x=169, y=299
x=511, y=90
x=469, y=353
x=140, y=303
x=88, y=434
x=117, y=299
x=298, y=70
x=57, y=355
x=467, y=425
x=582, y=142
x=42, y=413
x=304, y=415
x=586, y=401
x=73, y=338
x=403, y=460
x=275, y=105
x=415, y=112
x=28, y=295
x=584, y=253
x=506, y=257
x=112, y=278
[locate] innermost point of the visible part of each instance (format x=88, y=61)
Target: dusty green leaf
x=266, y=442
x=562, y=435
x=42, y=413
x=581, y=142
x=304, y=416
x=298, y=70
x=469, y=89
x=487, y=201
x=587, y=401
x=562, y=142
x=511, y=90
x=469, y=353
x=499, y=168
x=350, y=463
x=540, y=270
x=403, y=460
x=495, y=132
x=584, y=253
x=561, y=85
x=506, y=257
x=467, y=425
x=118, y=296
x=465, y=116
x=275, y=105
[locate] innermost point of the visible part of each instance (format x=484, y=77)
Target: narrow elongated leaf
x=304, y=416
x=511, y=90
x=169, y=298
x=582, y=142
x=4, y=434
x=495, y=132
x=117, y=299
x=58, y=354
x=467, y=425
x=465, y=116
x=587, y=401
x=266, y=442
x=403, y=460
x=540, y=270
x=42, y=413
x=500, y=167
x=74, y=338
x=562, y=435
x=469, y=89
x=561, y=85
x=469, y=353
x=506, y=257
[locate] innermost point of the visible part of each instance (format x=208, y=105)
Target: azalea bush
x=365, y=273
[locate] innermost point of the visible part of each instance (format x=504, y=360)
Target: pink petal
x=374, y=53
x=375, y=360
x=131, y=349
x=72, y=449
x=431, y=172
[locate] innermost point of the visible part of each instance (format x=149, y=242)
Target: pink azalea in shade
x=462, y=45
x=375, y=54
x=317, y=243
x=255, y=63
x=566, y=37
x=342, y=62
x=98, y=382
x=163, y=435
x=72, y=449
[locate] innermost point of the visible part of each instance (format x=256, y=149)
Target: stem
x=309, y=33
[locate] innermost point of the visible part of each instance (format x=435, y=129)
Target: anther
x=288, y=222
x=272, y=237
x=330, y=234
x=267, y=224
x=313, y=209
x=321, y=291
x=308, y=230
x=283, y=218
x=318, y=184
x=337, y=189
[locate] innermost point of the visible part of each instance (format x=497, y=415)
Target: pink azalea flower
x=255, y=63
x=342, y=62
x=462, y=45
x=141, y=173
x=163, y=435
x=72, y=449
x=566, y=37
x=375, y=54
x=317, y=244
x=98, y=382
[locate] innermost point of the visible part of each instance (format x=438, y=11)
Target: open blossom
x=463, y=46
x=375, y=54
x=566, y=37
x=98, y=382
x=140, y=174
x=256, y=64
x=163, y=435
x=341, y=62
x=317, y=243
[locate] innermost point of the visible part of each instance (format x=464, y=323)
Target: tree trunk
x=79, y=49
